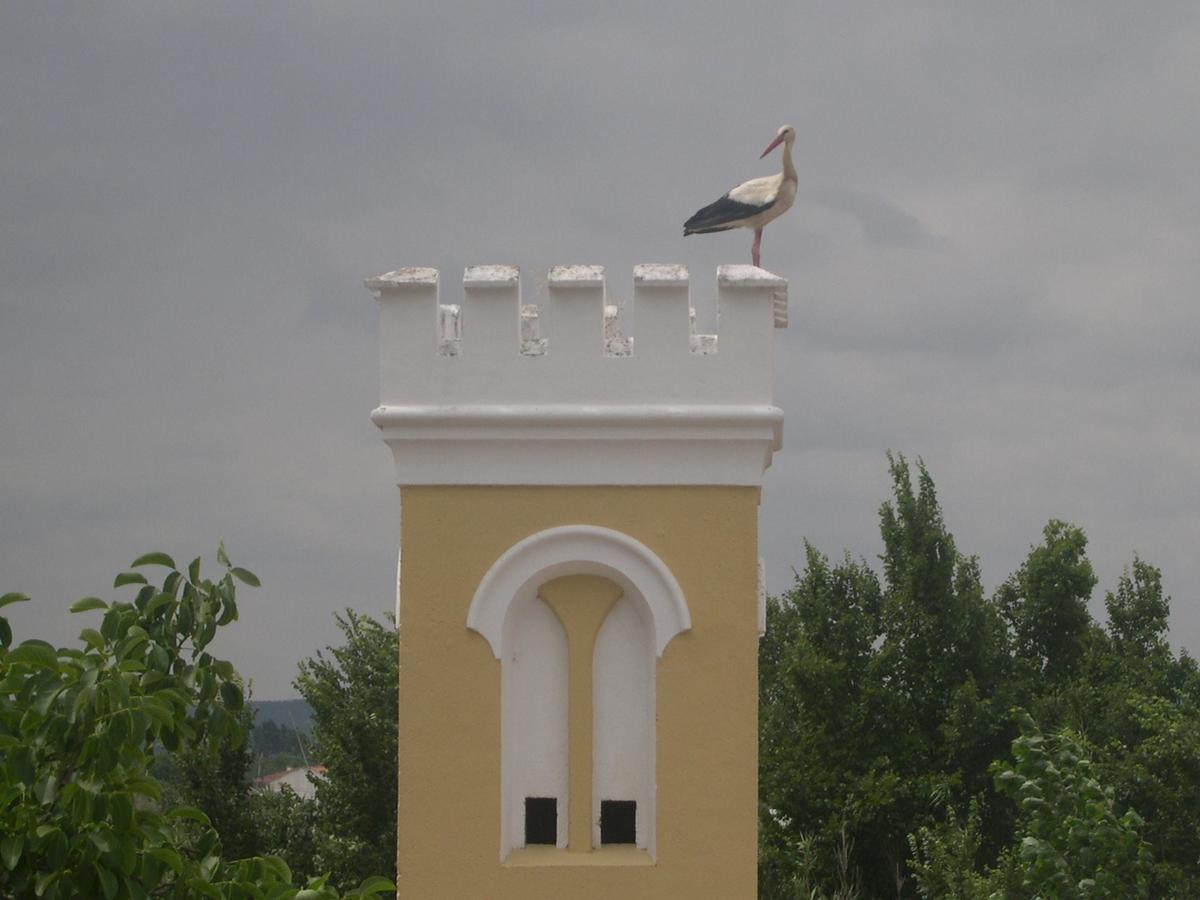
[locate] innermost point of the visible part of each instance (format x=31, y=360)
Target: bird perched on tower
x=753, y=203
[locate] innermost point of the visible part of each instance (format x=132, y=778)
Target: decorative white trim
x=624, y=700
x=748, y=276
x=577, y=276
x=532, y=343
x=753, y=277
x=491, y=276
x=409, y=275
x=659, y=275
x=504, y=597
x=581, y=444
x=579, y=550
x=534, y=708
x=715, y=416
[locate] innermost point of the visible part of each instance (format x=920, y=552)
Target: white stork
x=753, y=203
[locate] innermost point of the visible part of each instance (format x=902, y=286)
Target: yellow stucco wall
x=449, y=824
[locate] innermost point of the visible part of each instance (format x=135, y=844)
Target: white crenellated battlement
x=465, y=377
x=493, y=348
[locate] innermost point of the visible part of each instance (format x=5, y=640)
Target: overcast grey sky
x=993, y=260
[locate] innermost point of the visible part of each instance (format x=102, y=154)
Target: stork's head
x=786, y=133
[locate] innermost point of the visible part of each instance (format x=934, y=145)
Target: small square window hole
x=618, y=821
x=541, y=820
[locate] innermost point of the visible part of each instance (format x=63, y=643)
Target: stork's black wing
x=722, y=215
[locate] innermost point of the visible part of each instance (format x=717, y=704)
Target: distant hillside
x=284, y=713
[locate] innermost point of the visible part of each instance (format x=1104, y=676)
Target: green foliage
x=1045, y=603
x=1140, y=709
x=286, y=825
x=1069, y=842
x=353, y=692
x=815, y=695
x=805, y=878
x=212, y=775
x=1137, y=616
x=1072, y=841
x=945, y=857
x=885, y=700
x=80, y=813
x=350, y=826
x=1160, y=774
x=873, y=696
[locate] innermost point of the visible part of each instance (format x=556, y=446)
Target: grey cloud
x=991, y=265
x=882, y=222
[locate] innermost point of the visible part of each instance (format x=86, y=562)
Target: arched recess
x=578, y=550
x=522, y=633
x=624, y=704
x=534, y=737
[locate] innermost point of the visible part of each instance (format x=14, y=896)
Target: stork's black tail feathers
x=722, y=215
x=689, y=229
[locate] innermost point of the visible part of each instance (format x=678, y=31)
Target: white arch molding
x=526, y=637
x=578, y=550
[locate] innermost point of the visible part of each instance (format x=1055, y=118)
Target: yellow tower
x=579, y=593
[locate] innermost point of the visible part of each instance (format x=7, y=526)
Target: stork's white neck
x=789, y=170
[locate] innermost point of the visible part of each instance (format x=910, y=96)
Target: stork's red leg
x=757, y=243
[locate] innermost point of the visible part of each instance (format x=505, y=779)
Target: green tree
x=884, y=701
x=212, y=774
x=820, y=759
x=1138, y=613
x=945, y=859
x=353, y=692
x=1139, y=706
x=1045, y=604
x=1073, y=843
x=874, y=697
x=1070, y=841
x=943, y=662
x=80, y=813
x=286, y=826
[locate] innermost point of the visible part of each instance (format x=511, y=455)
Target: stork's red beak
x=771, y=146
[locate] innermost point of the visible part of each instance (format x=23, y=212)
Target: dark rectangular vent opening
x=541, y=820
x=618, y=821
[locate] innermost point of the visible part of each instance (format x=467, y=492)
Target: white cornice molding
x=717, y=419
x=573, y=445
